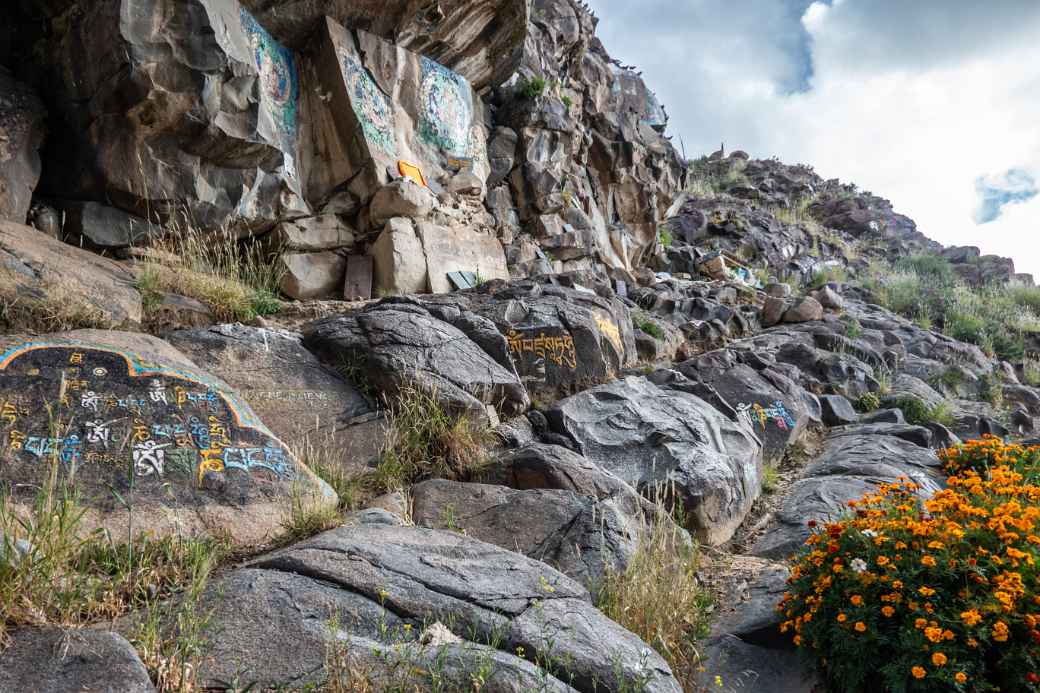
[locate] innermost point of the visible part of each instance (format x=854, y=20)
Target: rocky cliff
x=395, y=337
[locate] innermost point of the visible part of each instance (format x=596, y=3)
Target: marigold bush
x=906, y=595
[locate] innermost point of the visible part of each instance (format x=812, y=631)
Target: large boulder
x=56, y=660
x=21, y=135
x=854, y=461
x=380, y=585
x=582, y=537
x=47, y=283
x=557, y=337
x=302, y=400
x=668, y=441
x=137, y=428
x=399, y=342
x=772, y=404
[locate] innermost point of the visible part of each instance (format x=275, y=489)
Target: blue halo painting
x=279, y=81
x=370, y=105
x=446, y=110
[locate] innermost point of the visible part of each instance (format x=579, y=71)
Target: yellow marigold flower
x=860, y=627
x=925, y=591
x=938, y=659
x=918, y=672
x=928, y=561
x=1000, y=631
x=960, y=677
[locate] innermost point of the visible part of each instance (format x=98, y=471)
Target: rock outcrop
x=21, y=135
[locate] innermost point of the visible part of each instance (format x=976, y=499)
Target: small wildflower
x=858, y=565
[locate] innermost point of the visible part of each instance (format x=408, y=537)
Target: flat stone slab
x=182, y=448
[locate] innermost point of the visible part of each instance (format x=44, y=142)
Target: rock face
x=590, y=159
x=203, y=115
x=53, y=660
x=478, y=39
x=46, y=277
x=665, y=440
x=393, y=113
x=130, y=413
x=383, y=583
x=21, y=135
x=581, y=537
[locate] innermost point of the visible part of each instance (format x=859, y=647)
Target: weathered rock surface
x=21, y=135
x=55, y=660
x=378, y=577
x=663, y=440
x=313, y=275
x=128, y=414
x=46, y=277
x=169, y=106
x=297, y=396
x=480, y=40
x=852, y=463
x=773, y=405
x=106, y=228
x=582, y=537
x=400, y=342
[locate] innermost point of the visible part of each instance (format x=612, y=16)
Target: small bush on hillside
x=826, y=275
x=868, y=402
x=925, y=289
x=919, y=413
x=933, y=596
x=532, y=88
x=648, y=326
x=665, y=236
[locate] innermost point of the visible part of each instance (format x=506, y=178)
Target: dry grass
x=50, y=308
x=53, y=572
x=424, y=440
x=659, y=598
x=237, y=280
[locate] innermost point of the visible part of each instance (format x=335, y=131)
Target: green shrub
x=533, y=87
x=868, y=402
x=919, y=413
x=665, y=236
x=827, y=274
x=645, y=324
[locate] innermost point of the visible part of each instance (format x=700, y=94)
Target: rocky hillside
x=362, y=346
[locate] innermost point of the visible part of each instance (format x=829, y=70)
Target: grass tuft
x=659, y=598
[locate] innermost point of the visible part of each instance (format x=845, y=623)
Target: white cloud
x=912, y=100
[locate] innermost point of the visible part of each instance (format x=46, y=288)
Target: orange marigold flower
x=860, y=627
x=887, y=611
x=960, y=677
x=938, y=659
x=842, y=618
x=1000, y=631
x=927, y=560
x=856, y=600
x=918, y=672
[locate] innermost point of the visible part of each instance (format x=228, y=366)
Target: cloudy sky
x=934, y=104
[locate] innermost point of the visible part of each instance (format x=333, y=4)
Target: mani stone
x=298, y=397
x=383, y=110
x=459, y=249
x=398, y=260
x=134, y=426
x=358, y=285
